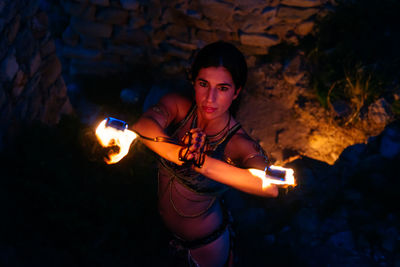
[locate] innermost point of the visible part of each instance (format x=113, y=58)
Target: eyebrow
x=220, y=84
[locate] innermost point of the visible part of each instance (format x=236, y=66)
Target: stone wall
x=107, y=36
x=31, y=86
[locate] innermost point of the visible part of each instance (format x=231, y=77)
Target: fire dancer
x=212, y=154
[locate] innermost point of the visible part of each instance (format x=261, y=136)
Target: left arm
x=247, y=152
x=238, y=178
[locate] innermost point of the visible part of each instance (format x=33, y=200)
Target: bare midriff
x=186, y=213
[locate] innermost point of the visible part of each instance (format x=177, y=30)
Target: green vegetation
x=354, y=55
x=396, y=107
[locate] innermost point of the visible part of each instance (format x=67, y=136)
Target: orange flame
x=109, y=136
x=268, y=180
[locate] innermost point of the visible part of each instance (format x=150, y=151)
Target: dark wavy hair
x=222, y=54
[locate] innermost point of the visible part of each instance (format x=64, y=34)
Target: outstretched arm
x=249, y=155
x=173, y=108
x=241, y=179
x=152, y=123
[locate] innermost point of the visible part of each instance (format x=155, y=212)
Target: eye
x=202, y=84
x=223, y=88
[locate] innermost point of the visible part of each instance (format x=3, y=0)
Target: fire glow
x=114, y=133
x=267, y=180
x=109, y=136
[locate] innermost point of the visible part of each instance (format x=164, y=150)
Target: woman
x=213, y=154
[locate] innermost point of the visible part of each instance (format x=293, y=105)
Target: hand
x=194, y=148
x=116, y=142
x=93, y=150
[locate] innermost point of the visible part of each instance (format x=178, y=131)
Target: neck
x=212, y=127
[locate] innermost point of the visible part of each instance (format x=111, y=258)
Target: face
x=215, y=91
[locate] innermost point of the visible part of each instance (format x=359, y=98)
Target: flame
x=268, y=180
x=109, y=136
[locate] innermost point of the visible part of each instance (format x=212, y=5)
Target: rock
x=90, y=42
x=2, y=24
x=172, y=51
x=251, y=217
x=34, y=64
x=9, y=67
x=70, y=36
x=351, y=154
x=95, y=29
x=217, y=11
x=281, y=29
x=182, y=45
x=74, y=93
x=269, y=239
x=193, y=13
x=254, y=23
x=112, y=16
x=177, y=17
x=390, y=143
x=379, y=112
x=100, y=2
x=126, y=35
x=136, y=22
x=124, y=50
x=259, y=40
x=304, y=28
x=206, y=36
x=179, y=32
x=90, y=67
x=80, y=52
x=2, y=5
x=341, y=109
x=130, y=4
x=30, y=8
x=19, y=84
x=390, y=238
x=293, y=14
x=342, y=240
x=89, y=13
x=336, y=223
x=32, y=84
x=301, y=3
x=9, y=11
x=51, y=70
x=73, y=8
x=13, y=29
x=306, y=221
x=40, y=23
x=47, y=49
x=130, y=96
x=293, y=71
x=3, y=97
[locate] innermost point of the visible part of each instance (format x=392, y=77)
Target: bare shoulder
x=240, y=146
x=176, y=104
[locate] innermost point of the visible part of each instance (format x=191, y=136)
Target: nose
x=211, y=94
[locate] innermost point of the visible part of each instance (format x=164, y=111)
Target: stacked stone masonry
x=31, y=85
x=107, y=36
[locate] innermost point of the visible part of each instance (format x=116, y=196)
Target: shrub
x=354, y=56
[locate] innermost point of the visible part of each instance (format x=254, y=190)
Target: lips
x=208, y=109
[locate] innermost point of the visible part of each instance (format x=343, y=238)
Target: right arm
x=171, y=108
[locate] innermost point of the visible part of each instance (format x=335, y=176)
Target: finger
x=187, y=138
x=195, y=147
x=195, y=130
x=190, y=156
